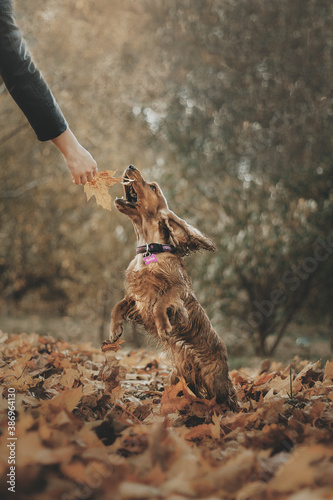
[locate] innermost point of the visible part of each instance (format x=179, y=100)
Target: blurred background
x=228, y=104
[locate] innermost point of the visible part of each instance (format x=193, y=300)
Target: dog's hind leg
x=168, y=306
x=218, y=384
x=118, y=315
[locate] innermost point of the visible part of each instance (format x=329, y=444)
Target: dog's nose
x=131, y=167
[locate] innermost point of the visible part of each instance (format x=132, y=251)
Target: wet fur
x=160, y=297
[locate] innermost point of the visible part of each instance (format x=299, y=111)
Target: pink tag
x=151, y=258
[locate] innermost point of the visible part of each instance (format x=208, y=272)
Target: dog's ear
x=183, y=236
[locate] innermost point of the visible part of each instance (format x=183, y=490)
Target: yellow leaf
x=99, y=187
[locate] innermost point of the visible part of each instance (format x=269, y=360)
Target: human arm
x=25, y=82
x=32, y=94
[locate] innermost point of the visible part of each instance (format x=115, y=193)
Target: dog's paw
x=115, y=333
x=164, y=328
x=177, y=314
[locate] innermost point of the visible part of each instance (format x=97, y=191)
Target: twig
x=11, y=134
x=291, y=399
x=17, y=378
x=129, y=413
x=244, y=373
x=14, y=193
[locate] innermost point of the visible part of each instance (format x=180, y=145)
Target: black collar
x=155, y=248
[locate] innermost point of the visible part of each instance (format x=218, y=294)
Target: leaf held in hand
x=111, y=346
x=99, y=187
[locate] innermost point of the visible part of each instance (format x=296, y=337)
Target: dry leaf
x=99, y=187
x=68, y=377
x=100, y=422
x=199, y=432
x=75, y=470
x=298, y=471
x=328, y=370
x=215, y=426
x=111, y=346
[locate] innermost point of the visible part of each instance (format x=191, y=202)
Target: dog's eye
x=152, y=187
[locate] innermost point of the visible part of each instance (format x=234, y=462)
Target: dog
x=159, y=294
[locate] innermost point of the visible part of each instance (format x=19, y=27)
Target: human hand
x=79, y=161
x=81, y=165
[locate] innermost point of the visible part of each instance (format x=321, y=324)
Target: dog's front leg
x=118, y=315
x=167, y=307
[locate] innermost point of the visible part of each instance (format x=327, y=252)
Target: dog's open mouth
x=130, y=193
x=131, y=197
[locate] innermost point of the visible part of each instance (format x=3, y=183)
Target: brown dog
x=159, y=295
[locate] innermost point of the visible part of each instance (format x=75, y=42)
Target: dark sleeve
x=24, y=81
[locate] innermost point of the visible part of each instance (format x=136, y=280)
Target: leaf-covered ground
x=105, y=426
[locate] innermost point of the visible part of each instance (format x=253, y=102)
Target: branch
x=14, y=132
x=283, y=327
x=14, y=193
x=246, y=284
x=298, y=303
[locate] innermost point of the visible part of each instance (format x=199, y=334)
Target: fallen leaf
x=90, y=420
x=111, y=346
x=215, y=426
x=67, y=400
x=174, y=398
x=235, y=472
x=31, y=450
x=298, y=471
x=75, y=470
x=328, y=370
x=68, y=377
x=199, y=432
x=131, y=491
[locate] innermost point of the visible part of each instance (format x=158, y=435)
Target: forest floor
x=99, y=425
x=314, y=338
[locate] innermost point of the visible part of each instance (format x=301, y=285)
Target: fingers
x=79, y=161
x=90, y=176
x=83, y=179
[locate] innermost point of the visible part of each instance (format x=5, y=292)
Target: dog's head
x=153, y=221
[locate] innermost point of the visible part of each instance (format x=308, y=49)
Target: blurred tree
x=247, y=114
x=58, y=253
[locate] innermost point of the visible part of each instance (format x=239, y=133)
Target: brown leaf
x=75, y=470
x=110, y=430
x=328, y=370
x=316, y=409
x=67, y=400
x=111, y=346
x=215, y=426
x=199, y=432
x=176, y=397
x=33, y=451
x=99, y=187
x=299, y=471
x=68, y=377
x=235, y=472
